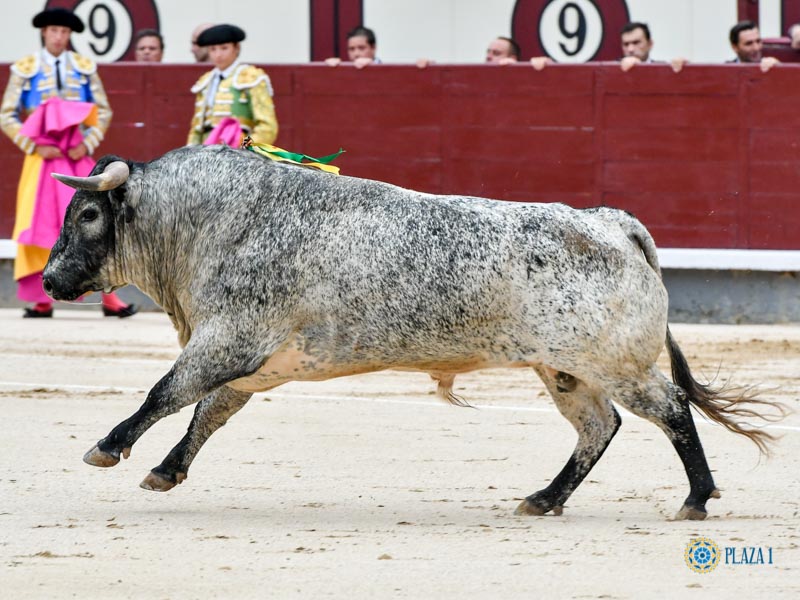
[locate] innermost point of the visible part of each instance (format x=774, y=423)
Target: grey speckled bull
x=274, y=273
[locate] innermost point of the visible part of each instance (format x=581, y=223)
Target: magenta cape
x=228, y=131
x=55, y=123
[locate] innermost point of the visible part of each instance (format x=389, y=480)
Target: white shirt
x=215, y=79
x=62, y=66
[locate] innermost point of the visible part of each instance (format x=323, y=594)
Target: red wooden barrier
x=707, y=158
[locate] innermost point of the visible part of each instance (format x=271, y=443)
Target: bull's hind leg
x=596, y=422
x=207, y=362
x=211, y=413
x=660, y=401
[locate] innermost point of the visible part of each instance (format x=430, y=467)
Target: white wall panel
x=455, y=31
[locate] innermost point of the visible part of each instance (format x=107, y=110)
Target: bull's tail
x=725, y=405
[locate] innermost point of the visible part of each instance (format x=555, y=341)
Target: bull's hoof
x=156, y=482
x=694, y=509
x=528, y=507
x=691, y=513
x=99, y=458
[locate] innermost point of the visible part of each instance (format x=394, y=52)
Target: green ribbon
x=300, y=157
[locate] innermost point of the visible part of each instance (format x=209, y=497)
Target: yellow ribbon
x=281, y=155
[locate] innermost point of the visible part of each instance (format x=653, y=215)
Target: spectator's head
x=636, y=41
x=149, y=45
x=223, y=45
x=361, y=43
x=57, y=24
x=746, y=42
x=794, y=34
x=200, y=53
x=502, y=49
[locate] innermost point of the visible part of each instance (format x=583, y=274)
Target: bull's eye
x=89, y=215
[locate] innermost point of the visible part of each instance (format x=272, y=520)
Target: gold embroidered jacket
x=33, y=81
x=245, y=95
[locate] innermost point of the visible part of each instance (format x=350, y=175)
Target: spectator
x=149, y=46
x=231, y=92
x=746, y=43
x=636, y=45
x=360, y=49
x=200, y=53
x=794, y=34
x=53, y=85
x=502, y=51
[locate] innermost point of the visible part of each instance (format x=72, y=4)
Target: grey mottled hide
x=273, y=273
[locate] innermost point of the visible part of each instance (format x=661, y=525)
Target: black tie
x=58, y=75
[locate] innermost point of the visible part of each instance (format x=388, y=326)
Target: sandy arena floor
x=368, y=487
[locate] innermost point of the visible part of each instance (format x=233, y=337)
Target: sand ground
x=368, y=486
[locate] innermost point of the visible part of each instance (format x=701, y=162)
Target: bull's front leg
x=211, y=413
x=207, y=362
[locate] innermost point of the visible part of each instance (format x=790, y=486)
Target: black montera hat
x=220, y=34
x=58, y=16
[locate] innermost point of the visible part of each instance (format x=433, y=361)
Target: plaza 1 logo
x=110, y=26
x=702, y=555
x=569, y=31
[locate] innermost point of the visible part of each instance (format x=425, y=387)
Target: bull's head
x=79, y=260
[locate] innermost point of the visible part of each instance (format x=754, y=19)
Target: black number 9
x=578, y=34
x=110, y=31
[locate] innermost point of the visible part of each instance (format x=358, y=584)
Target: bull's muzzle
x=60, y=287
x=51, y=287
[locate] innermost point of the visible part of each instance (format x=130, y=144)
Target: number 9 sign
x=110, y=26
x=569, y=31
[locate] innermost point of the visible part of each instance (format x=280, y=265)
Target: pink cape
x=228, y=131
x=54, y=123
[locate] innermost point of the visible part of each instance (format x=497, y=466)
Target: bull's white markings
x=109, y=29
x=571, y=31
x=319, y=398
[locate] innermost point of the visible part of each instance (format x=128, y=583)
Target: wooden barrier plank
x=660, y=79
x=777, y=143
x=521, y=80
x=645, y=111
x=773, y=221
x=511, y=111
x=682, y=144
x=684, y=177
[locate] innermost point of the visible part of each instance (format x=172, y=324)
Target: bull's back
x=459, y=279
x=372, y=272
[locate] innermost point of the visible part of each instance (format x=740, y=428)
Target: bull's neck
x=153, y=258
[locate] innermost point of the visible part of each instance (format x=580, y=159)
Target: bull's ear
x=128, y=212
x=119, y=201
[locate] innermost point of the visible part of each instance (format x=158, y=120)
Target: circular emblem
x=110, y=26
x=572, y=31
x=701, y=555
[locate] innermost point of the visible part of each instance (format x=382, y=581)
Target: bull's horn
x=114, y=175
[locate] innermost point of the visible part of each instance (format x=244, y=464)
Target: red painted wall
x=709, y=157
